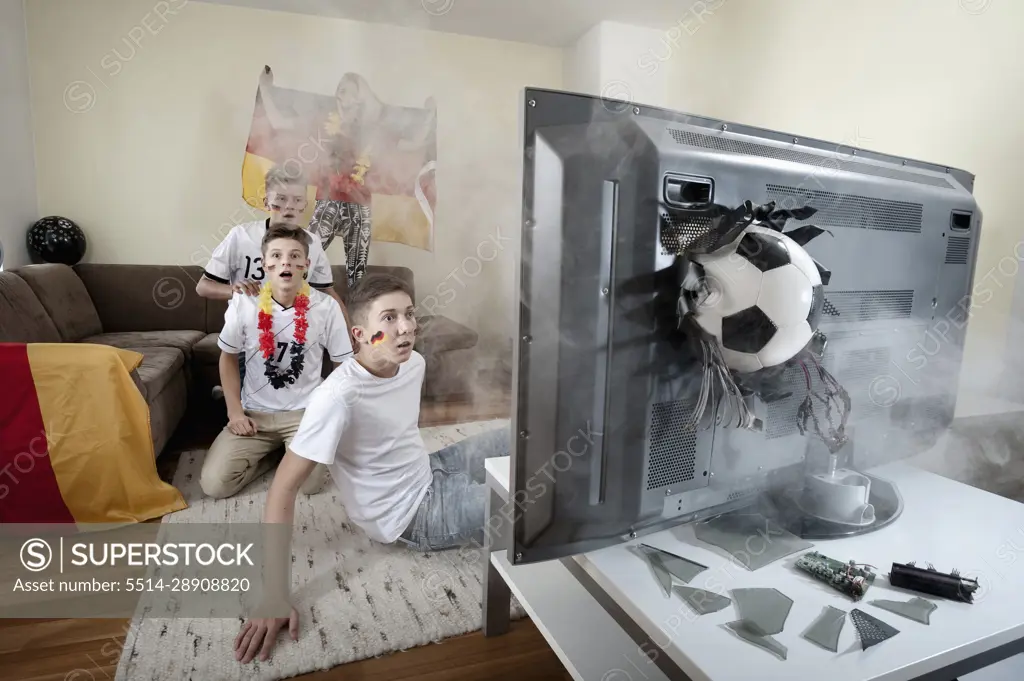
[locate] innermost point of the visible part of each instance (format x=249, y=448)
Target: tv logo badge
x=36, y=555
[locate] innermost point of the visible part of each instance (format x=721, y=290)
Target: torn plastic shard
x=871, y=630
x=825, y=630
x=751, y=633
x=767, y=609
x=667, y=565
x=917, y=609
x=660, y=574
x=681, y=568
x=700, y=601
x=751, y=539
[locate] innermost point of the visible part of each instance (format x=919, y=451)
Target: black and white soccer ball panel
x=765, y=250
x=751, y=342
x=733, y=285
x=764, y=299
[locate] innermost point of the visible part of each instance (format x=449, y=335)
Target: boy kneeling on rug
x=281, y=336
x=363, y=422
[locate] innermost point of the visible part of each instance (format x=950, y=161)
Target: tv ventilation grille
x=678, y=234
x=695, y=139
x=867, y=306
x=855, y=371
x=957, y=248
x=673, y=444
x=747, y=492
x=850, y=210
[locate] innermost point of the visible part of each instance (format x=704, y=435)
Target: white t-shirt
x=240, y=257
x=367, y=430
x=325, y=330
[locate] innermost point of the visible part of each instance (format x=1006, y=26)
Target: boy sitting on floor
x=363, y=422
x=280, y=337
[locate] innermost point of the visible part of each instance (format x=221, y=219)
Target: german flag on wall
x=353, y=148
x=75, y=441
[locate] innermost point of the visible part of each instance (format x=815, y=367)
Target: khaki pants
x=236, y=460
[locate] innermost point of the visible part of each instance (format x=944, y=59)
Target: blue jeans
x=452, y=512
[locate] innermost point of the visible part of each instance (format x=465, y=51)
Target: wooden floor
x=89, y=650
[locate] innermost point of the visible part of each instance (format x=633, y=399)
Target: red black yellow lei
x=267, y=345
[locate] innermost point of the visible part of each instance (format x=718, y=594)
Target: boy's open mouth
x=286, y=276
x=404, y=344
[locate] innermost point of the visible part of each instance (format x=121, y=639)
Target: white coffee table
x=605, y=617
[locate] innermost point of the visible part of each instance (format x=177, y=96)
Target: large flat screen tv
x=602, y=447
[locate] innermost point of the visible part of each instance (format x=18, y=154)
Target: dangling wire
x=731, y=402
x=834, y=397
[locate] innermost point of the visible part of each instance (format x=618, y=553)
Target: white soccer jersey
x=325, y=330
x=240, y=257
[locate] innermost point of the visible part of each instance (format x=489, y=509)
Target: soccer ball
x=763, y=299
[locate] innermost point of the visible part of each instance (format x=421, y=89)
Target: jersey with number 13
x=240, y=258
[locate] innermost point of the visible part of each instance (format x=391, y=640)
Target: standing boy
x=280, y=336
x=236, y=265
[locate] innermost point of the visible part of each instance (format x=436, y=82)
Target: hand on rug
x=260, y=635
x=240, y=424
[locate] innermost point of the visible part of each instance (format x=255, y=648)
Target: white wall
x=18, y=206
x=936, y=81
x=150, y=165
x=611, y=61
x=582, y=64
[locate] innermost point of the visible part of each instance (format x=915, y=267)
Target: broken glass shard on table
x=667, y=565
x=766, y=608
x=751, y=633
x=750, y=538
x=871, y=630
x=825, y=630
x=917, y=609
x=701, y=601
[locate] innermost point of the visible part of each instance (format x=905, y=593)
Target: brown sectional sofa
x=154, y=310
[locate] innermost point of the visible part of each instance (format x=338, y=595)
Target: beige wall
x=144, y=143
x=937, y=81
x=18, y=207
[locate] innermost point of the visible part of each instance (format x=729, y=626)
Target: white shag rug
x=356, y=598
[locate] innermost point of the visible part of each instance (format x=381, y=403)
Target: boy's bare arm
x=214, y=290
x=259, y=635
x=231, y=383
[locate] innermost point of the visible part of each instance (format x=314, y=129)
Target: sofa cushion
x=183, y=340
x=158, y=368
x=206, y=351
x=23, y=318
x=65, y=299
x=145, y=297
x=440, y=334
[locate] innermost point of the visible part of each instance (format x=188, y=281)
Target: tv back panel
x=601, y=449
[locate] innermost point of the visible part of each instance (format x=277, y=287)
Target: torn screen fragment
x=825, y=629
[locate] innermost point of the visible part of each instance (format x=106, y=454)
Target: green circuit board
x=849, y=578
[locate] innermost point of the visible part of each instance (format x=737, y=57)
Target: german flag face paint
x=377, y=338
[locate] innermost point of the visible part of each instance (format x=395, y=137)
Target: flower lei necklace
x=267, y=346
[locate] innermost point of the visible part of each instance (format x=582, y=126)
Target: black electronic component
x=931, y=581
